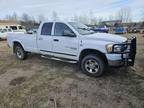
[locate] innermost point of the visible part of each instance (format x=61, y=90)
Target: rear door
x=63, y=45
x=45, y=39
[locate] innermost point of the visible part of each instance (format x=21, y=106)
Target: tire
x=20, y=53
x=93, y=65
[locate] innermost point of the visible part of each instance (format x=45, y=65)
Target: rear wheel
x=20, y=53
x=93, y=65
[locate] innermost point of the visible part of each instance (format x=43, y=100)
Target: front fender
x=94, y=45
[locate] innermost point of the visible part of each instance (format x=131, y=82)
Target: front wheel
x=93, y=65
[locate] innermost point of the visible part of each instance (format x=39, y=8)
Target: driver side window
x=60, y=28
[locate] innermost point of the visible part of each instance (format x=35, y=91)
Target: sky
x=68, y=8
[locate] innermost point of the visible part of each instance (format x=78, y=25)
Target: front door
x=65, y=46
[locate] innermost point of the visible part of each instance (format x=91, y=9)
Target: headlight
x=109, y=48
x=116, y=48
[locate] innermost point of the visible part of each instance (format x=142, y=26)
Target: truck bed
x=28, y=41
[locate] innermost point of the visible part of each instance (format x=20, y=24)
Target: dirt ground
x=39, y=83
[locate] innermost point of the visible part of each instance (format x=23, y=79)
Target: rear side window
x=46, y=29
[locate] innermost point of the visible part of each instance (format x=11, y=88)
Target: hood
x=106, y=37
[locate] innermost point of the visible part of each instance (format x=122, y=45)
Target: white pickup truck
x=4, y=32
x=75, y=42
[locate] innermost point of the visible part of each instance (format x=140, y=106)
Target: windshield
x=81, y=28
x=4, y=30
x=9, y=30
x=13, y=27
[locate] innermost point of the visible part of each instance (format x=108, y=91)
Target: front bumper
x=126, y=57
x=116, y=63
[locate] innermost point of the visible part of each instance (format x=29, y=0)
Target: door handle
x=40, y=38
x=56, y=40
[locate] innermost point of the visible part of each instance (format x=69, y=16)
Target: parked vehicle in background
x=17, y=28
x=133, y=30
x=4, y=32
x=120, y=30
x=76, y=43
x=142, y=30
x=101, y=29
x=137, y=30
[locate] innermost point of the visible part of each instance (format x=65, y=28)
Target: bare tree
x=14, y=16
x=124, y=14
x=55, y=16
x=83, y=19
x=111, y=17
x=33, y=19
x=93, y=21
x=25, y=17
x=8, y=17
x=100, y=19
x=92, y=18
x=142, y=15
x=41, y=18
x=75, y=18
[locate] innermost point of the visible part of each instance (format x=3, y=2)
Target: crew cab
x=74, y=42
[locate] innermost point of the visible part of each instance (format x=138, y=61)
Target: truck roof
x=57, y=21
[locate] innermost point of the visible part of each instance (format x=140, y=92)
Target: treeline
x=124, y=14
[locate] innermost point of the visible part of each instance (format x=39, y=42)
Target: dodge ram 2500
x=72, y=41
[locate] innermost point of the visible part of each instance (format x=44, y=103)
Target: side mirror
x=69, y=33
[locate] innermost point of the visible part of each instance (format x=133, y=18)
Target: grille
x=124, y=46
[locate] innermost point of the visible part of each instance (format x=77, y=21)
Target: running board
x=59, y=59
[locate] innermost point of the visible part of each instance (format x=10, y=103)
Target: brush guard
x=128, y=55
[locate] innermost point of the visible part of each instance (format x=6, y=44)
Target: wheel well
x=16, y=44
x=93, y=51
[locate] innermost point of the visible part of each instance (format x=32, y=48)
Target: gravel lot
x=38, y=83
